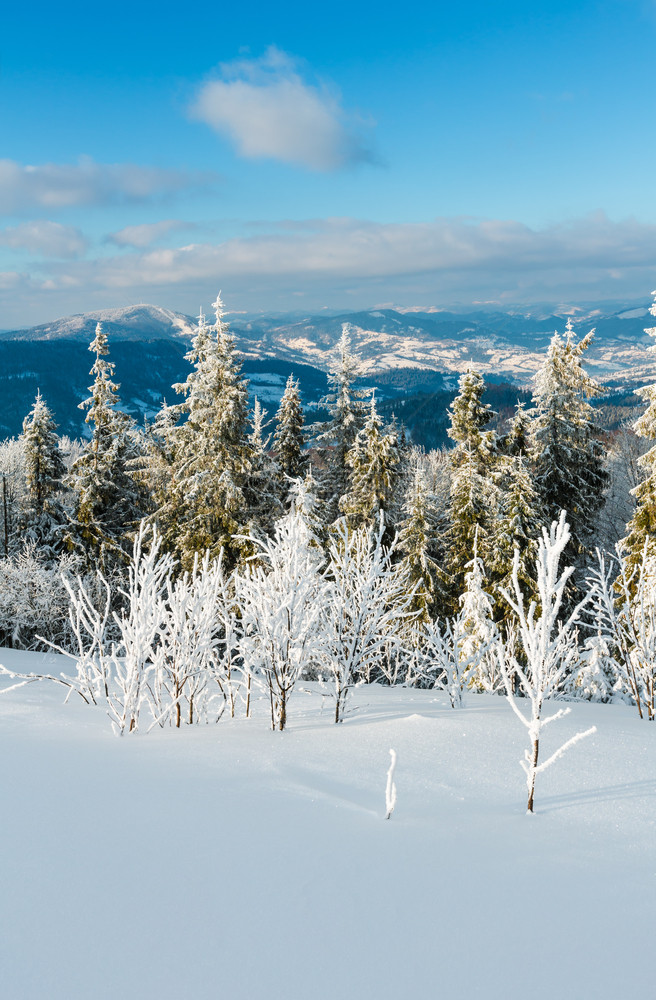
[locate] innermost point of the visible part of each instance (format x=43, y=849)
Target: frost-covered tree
x=474, y=497
x=281, y=597
x=548, y=641
x=43, y=516
x=373, y=462
x=477, y=628
x=516, y=530
x=368, y=606
x=193, y=657
x=447, y=657
x=347, y=414
x=518, y=439
x=625, y=599
x=210, y=450
x=642, y=527
x=109, y=500
x=262, y=486
x=167, y=653
x=288, y=438
x=33, y=600
x=417, y=540
x=13, y=493
x=568, y=455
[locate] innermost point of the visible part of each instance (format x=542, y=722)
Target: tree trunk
x=531, y=785
x=282, y=722
x=5, y=512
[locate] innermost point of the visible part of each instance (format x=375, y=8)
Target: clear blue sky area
x=300, y=156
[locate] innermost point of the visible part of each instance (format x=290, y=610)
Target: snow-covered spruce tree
x=280, y=593
x=303, y=499
x=109, y=499
x=549, y=646
x=474, y=497
x=478, y=629
x=210, y=450
x=417, y=541
x=13, y=491
x=373, y=465
x=642, y=527
x=518, y=439
x=288, y=438
x=43, y=516
x=262, y=487
x=347, y=414
x=367, y=607
x=568, y=456
x=516, y=530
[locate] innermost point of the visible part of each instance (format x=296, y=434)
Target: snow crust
x=232, y=861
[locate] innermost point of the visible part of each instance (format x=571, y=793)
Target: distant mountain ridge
x=508, y=345
x=412, y=357
x=138, y=322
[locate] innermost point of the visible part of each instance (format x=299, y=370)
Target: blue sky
x=300, y=158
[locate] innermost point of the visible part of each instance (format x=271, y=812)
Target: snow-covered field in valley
x=232, y=861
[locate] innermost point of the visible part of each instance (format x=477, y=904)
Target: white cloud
x=45, y=238
x=148, y=233
x=348, y=262
x=268, y=110
x=53, y=186
x=500, y=250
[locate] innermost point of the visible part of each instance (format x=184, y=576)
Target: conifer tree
x=372, y=461
x=642, y=527
x=417, y=541
x=479, y=632
x=474, y=495
x=347, y=415
x=518, y=528
x=569, y=469
x=262, y=487
x=518, y=439
x=110, y=500
x=13, y=492
x=210, y=451
x=288, y=437
x=44, y=470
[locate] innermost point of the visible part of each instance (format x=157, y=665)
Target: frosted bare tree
x=281, y=596
x=187, y=657
x=449, y=659
x=626, y=599
x=140, y=626
x=369, y=603
x=549, y=646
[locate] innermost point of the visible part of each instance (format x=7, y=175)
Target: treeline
x=215, y=476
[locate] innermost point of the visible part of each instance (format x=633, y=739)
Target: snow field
x=232, y=861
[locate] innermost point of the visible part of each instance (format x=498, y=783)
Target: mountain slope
x=504, y=345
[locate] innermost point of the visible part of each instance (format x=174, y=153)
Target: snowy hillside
x=231, y=861
x=505, y=345
x=139, y=322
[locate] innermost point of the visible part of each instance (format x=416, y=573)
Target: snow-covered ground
x=233, y=862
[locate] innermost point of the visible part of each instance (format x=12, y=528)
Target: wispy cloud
x=53, y=186
x=44, y=239
x=268, y=109
x=341, y=262
x=148, y=233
